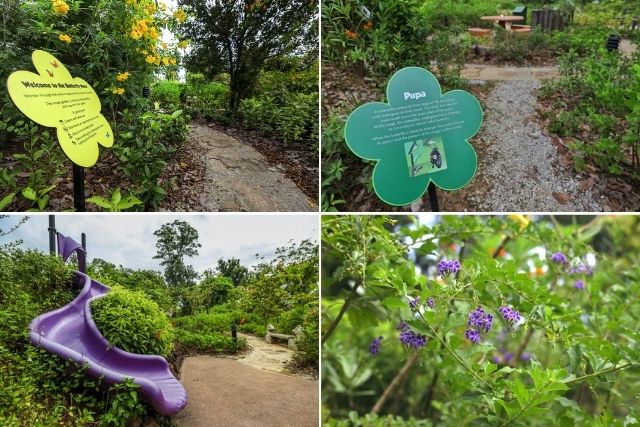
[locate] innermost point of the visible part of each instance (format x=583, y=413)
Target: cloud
x=128, y=240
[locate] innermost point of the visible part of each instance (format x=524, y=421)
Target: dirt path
x=238, y=178
x=248, y=391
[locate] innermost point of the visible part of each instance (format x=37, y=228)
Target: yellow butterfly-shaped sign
x=54, y=98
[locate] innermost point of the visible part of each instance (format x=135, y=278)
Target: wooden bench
x=521, y=28
x=480, y=32
x=291, y=339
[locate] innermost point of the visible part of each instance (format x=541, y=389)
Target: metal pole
x=84, y=242
x=52, y=234
x=433, y=198
x=78, y=188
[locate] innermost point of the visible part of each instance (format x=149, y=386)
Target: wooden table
x=503, y=20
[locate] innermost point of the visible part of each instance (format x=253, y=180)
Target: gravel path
x=520, y=165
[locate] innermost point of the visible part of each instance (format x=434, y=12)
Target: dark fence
x=549, y=19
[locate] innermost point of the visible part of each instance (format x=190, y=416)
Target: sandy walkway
x=249, y=391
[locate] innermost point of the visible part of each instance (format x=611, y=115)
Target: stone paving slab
x=487, y=73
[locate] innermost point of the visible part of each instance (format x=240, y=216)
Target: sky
x=128, y=240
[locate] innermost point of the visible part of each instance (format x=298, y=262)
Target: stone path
x=265, y=356
x=627, y=47
x=489, y=73
x=239, y=178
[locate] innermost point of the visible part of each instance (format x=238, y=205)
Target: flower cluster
x=65, y=38
x=374, y=347
x=414, y=304
x=351, y=35
x=367, y=26
x=510, y=315
x=431, y=303
x=121, y=77
x=180, y=15
x=579, y=285
x=60, y=7
x=142, y=28
x=479, y=322
x=446, y=267
x=118, y=91
x=581, y=269
x=410, y=338
x=559, y=258
x=183, y=44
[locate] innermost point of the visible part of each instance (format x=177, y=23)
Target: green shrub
x=259, y=114
x=298, y=116
x=211, y=342
x=168, y=94
x=207, y=100
x=289, y=320
x=308, y=352
x=131, y=321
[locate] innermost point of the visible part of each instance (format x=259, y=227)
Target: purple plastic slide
x=71, y=333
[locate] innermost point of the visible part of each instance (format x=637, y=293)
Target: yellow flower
x=166, y=60
x=180, y=15
x=65, y=38
x=174, y=61
x=135, y=34
x=150, y=59
x=122, y=76
x=522, y=219
x=183, y=44
x=164, y=45
x=157, y=61
x=59, y=6
x=150, y=9
x=153, y=33
x=118, y=91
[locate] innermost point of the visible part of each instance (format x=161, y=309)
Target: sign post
x=419, y=138
x=54, y=98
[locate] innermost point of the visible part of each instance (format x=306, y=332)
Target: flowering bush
x=480, y=320
x=113, y=44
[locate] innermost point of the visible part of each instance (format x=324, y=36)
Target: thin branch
x=343, y=310
x=400, y=378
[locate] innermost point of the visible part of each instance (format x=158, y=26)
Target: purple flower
x=525, y=357
x=431, y=302
x=510, y=315
x=579, y=285
x=414, y=304
x=374, y=347
x=581, y=269
x=472, y=335
x=480, y=319
x=410, y=338
x=559, y=258
x=479, y=322
x=446, y=267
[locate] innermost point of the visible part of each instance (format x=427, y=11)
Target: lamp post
x=234, y=332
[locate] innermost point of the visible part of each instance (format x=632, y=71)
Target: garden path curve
x=252, y=390
x=239, y=178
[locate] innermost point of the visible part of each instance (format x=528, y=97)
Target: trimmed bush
x=131, y=321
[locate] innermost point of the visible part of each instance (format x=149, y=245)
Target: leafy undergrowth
x=480, y=321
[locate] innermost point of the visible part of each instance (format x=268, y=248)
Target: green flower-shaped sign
x=420, y=136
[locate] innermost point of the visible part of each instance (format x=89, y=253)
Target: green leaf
x=129, y=202
x=394, y=302
x=100, y=201
x=116, y=197
x=30, y=194
x=521, y=393
x=490, y=368
x=6, y=201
